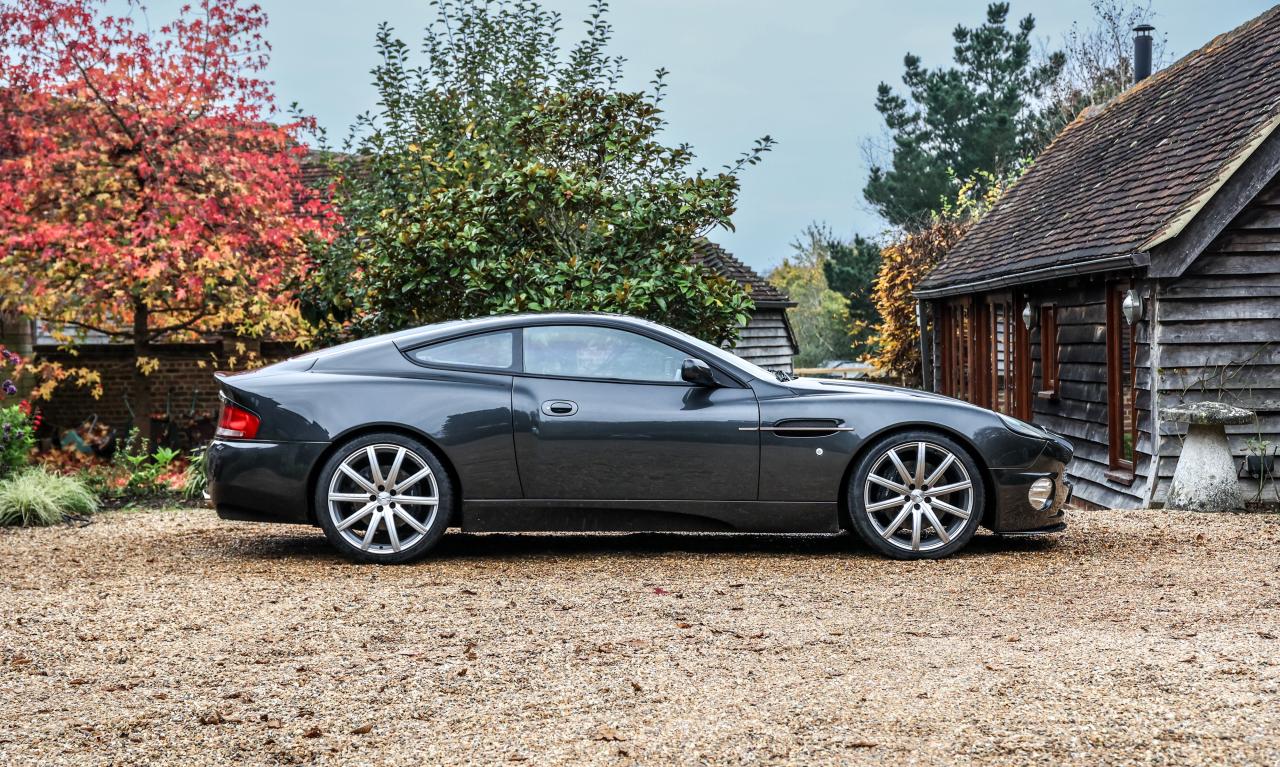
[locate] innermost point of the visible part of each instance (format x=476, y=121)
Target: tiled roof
x=718, y=260
x=1125, y=177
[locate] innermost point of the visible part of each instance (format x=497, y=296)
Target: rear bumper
x=1013, y=513
x=262, y=481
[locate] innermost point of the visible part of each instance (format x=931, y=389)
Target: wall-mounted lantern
x=1131, y=307
x=1028, y=316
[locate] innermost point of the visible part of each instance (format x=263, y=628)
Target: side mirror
x=697, y=372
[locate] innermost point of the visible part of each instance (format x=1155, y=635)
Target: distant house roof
x=720, y=261
x=1129, y=176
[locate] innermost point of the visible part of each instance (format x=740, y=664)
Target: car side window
x=487, y=350
x=585, y=351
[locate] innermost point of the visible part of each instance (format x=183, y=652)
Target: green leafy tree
x=981, y=115
x=851, y=269
x=501, y=176
x=820, y=317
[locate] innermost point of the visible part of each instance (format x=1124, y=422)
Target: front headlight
x=1023, y=428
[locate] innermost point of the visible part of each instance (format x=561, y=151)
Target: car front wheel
x=916, y=495
x=383, y=498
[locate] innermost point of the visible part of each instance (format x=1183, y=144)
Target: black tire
x=877, y=528
x=383, y=509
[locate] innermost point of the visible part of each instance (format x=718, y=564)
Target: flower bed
x=134, y=474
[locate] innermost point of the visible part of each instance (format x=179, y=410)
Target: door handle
x=559, y=407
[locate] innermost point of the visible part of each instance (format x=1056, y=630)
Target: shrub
x=196, y=478
x=16, y=439
x=38, y=497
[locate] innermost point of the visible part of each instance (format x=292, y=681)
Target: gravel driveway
x=174, y=638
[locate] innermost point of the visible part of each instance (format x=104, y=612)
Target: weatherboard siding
x=1219, y=334
x=1079, y=412
x=766, y=340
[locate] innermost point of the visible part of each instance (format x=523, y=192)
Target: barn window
x=1048, y=352
x=1122, y=409
x=985, y=359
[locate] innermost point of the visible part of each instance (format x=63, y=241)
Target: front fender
x=813, y=468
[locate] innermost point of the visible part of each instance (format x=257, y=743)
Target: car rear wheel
x=383, y=498
x=916, y=495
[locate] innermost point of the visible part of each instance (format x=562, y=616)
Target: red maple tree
x=146, y=189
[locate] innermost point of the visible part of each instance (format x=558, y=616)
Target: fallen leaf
x=363, y=729
x=314, y=732
x=608, y=734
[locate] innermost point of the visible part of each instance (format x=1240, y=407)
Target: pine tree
x=980, y=115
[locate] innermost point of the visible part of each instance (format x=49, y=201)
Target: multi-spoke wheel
x=916, y=495
x=383, y=498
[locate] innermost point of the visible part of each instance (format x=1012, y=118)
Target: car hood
x=833, y=386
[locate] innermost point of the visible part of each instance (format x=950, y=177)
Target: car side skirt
x=525, y=515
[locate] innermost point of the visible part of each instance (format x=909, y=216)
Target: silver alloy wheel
x=918, y=496
x=383, y=498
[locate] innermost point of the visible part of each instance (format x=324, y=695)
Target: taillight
x=236, y=423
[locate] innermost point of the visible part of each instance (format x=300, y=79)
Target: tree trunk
x=141, y=399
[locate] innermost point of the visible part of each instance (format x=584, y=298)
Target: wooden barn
x=1136, y=265
x=767, y=339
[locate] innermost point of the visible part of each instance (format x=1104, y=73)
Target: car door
x=601, y=413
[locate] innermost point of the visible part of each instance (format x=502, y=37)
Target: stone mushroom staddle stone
x=1205, y=479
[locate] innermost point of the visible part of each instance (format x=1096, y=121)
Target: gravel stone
x=172, y=638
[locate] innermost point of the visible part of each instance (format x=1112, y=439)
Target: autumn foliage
x=906, y=261
x=148, y=188
x=903, y=264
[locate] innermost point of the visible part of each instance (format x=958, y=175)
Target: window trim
x=1050, y=363
x=1120, y=470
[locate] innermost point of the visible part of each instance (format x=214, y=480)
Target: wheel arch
x=988, y=484
x=364, y=430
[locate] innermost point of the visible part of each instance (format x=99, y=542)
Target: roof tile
x=718, y=260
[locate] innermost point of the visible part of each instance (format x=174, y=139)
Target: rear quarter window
x=495, y=351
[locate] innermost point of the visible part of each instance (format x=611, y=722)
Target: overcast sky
x=803, y=71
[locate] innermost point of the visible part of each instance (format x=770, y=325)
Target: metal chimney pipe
x=1142, y=52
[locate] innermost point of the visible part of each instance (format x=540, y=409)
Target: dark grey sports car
x=591, y=422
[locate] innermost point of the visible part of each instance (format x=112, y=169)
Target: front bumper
x=262, y=481
x=1013, y=514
